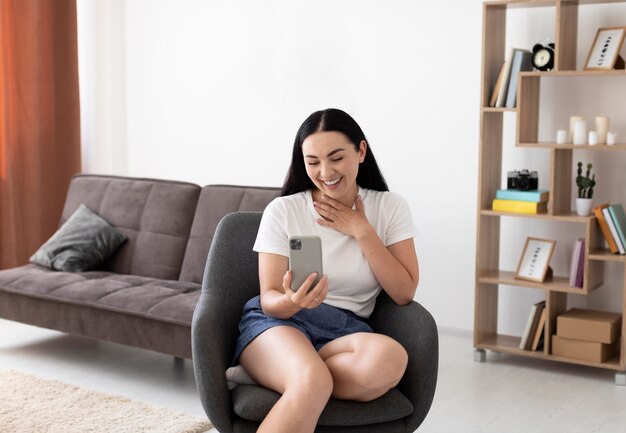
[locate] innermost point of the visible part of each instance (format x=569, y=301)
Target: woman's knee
x=312, y=381
x=384, y=362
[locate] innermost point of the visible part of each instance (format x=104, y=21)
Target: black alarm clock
x=543, y=56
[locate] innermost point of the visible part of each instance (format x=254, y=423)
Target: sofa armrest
x=413, y=327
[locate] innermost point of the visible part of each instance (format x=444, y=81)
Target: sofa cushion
x=155, y=215
x=164, y=300
x=215, y=202
x=83, y=242
x=253, y=402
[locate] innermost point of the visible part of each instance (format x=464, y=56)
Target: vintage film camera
x=522, y=180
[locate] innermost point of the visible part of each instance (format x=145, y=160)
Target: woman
x=312, y=343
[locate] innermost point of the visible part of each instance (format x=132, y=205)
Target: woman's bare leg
x=364, y=366
x=284, y=360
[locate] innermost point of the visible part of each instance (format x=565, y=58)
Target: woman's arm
x=277, y=298
x=395, y=267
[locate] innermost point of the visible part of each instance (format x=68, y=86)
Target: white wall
x=214, y=91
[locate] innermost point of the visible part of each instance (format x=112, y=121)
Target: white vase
x=583, y=206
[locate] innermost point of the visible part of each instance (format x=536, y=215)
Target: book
x=518, y=206
x=575, y=259
x=619, y=220
x=535, y=195
x=522, y=61
x=496, y=88
x=531, y=325
x=541, y=326
x=580, y=268
x=613, y=230
x=604, y=227
x=501, y=99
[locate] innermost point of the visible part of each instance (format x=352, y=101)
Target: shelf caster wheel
x=620, y=378
x=480, y=355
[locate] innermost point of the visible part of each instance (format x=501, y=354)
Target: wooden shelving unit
x=489, y=277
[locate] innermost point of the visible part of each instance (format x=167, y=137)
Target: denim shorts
x=320, y=325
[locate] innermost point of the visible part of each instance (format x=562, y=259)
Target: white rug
x=29, y=404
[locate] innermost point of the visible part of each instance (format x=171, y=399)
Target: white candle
x=580, y=132
x=611, y=138
x=561, y=136
x=593, y=138
x=602, y=126
x=572, y=122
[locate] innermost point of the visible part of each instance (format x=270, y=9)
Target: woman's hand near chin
x=344, y=219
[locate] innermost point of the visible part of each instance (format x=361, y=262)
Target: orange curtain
x=39, y=121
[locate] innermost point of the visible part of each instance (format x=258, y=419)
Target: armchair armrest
x=413, y=327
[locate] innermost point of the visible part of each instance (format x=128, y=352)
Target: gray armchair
x=230, y=279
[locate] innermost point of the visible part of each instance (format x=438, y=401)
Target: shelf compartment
x=506, y=344
x=556, y=284
x=570, y=217
x=510, y=344
x=606, y=256
x=569, y=146
x=541, y=3
x=499, y=109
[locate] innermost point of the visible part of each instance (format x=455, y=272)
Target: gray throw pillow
x=83, y=242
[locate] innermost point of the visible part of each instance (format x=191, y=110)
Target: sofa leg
x=179, y=363
x=620, y=378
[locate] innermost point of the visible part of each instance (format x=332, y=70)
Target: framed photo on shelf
x=534, y=264
x=604, y=52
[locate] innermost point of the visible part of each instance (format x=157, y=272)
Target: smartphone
x=305, y=257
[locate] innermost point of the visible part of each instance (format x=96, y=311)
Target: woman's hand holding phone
x=306, y=296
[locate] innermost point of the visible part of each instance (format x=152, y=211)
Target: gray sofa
x=145, y=294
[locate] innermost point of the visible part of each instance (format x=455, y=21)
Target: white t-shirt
x=351, y=282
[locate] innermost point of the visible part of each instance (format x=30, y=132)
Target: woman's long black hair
x=331, y=119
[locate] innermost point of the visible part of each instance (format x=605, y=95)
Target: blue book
x=619, y=219
x=522, y=61
x=535, y=195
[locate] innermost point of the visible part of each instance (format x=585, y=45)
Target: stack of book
x=612, y=221
x=577, y=264
x=513, y=200
x=532, y=338
x=505, y=90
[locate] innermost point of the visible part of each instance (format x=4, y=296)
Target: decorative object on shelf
x=577, y=264
x=602, y=128
x=585, y=190
x=593, y=138
x=580, y=132
x=561, y=136
x=604, y=227
x=543, y=56
x=611, y=138
x=572, y=121
x=521, y=62
x=534, y=264
x=604, y=52
x=532, y=324
x=522, y=180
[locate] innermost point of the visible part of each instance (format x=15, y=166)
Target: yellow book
x=519, y=206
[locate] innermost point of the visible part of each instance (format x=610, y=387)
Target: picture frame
x=534, y=263
x=604, y=52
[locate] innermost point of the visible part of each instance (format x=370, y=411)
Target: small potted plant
x=585, y=190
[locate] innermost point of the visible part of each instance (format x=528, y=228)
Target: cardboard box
x=584, y=350
x=589, y=325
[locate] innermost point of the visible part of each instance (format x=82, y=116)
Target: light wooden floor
x=506, y=394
